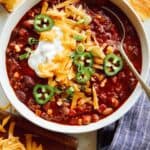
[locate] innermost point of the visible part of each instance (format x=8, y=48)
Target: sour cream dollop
x=46, y=51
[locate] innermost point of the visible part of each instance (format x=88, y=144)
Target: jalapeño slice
x=43, y=93
x=83, y=59
x=43, y=23
x=112, y=64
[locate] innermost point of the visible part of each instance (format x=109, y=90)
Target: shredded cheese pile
x=6, y=107
x=12, y=142
x=10, y=5
x=142, y=7
x=68, y=16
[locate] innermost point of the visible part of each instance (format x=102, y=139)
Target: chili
x=112, y=91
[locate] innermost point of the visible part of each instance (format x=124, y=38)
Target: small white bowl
x=28, y=114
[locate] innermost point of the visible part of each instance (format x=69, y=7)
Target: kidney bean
x=45, y=116
x=80, y=121
x=108, y=35
x=130, y=31
x=31, y=14
x=47, y=106
x=118, y=88
x=114, y=79
x=67, y=104
x=102, y=96
x=121, y=75
x=17, y=49
x=15, y=33
x=86, y=119
x=101, y=29
x=32, y=105
x=123, y=94
x=12, y=45
x=49, y=111
x=14, y=66
x=72, y=113
x=102, y=107
x=23, y=32
x=28, y=81
x=59, y=102
x=100, y=40
x=28, y=24
x=84, y=108
x=108, y=27
x=94, y=79
x=73, y=121
x=103, y=83
x=114, y=102
x=38, y=112
x=81, y=108
x=95, y=117
x=107, y=111
x=16, y=75
x=132, y=82
x=65, y=110
x=21, y=95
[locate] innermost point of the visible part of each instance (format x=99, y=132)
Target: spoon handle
x=145, y=87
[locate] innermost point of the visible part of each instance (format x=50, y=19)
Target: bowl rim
x=29, y=115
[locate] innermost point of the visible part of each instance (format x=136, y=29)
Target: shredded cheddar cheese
x=44, y=8
x=12, y=142
x=76, y=97
x=95, y=98
x=142, y=7
x=6, y=107
x=61, y=66
x=31, y=145
x=10, y=5
x=72, y=21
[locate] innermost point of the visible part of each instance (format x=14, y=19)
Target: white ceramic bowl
x=25, y=112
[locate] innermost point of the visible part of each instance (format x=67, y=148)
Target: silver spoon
x=145, y=87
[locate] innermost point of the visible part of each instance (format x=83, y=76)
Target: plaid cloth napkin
x=132, y=132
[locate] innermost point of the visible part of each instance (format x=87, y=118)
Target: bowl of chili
x=114, y=87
